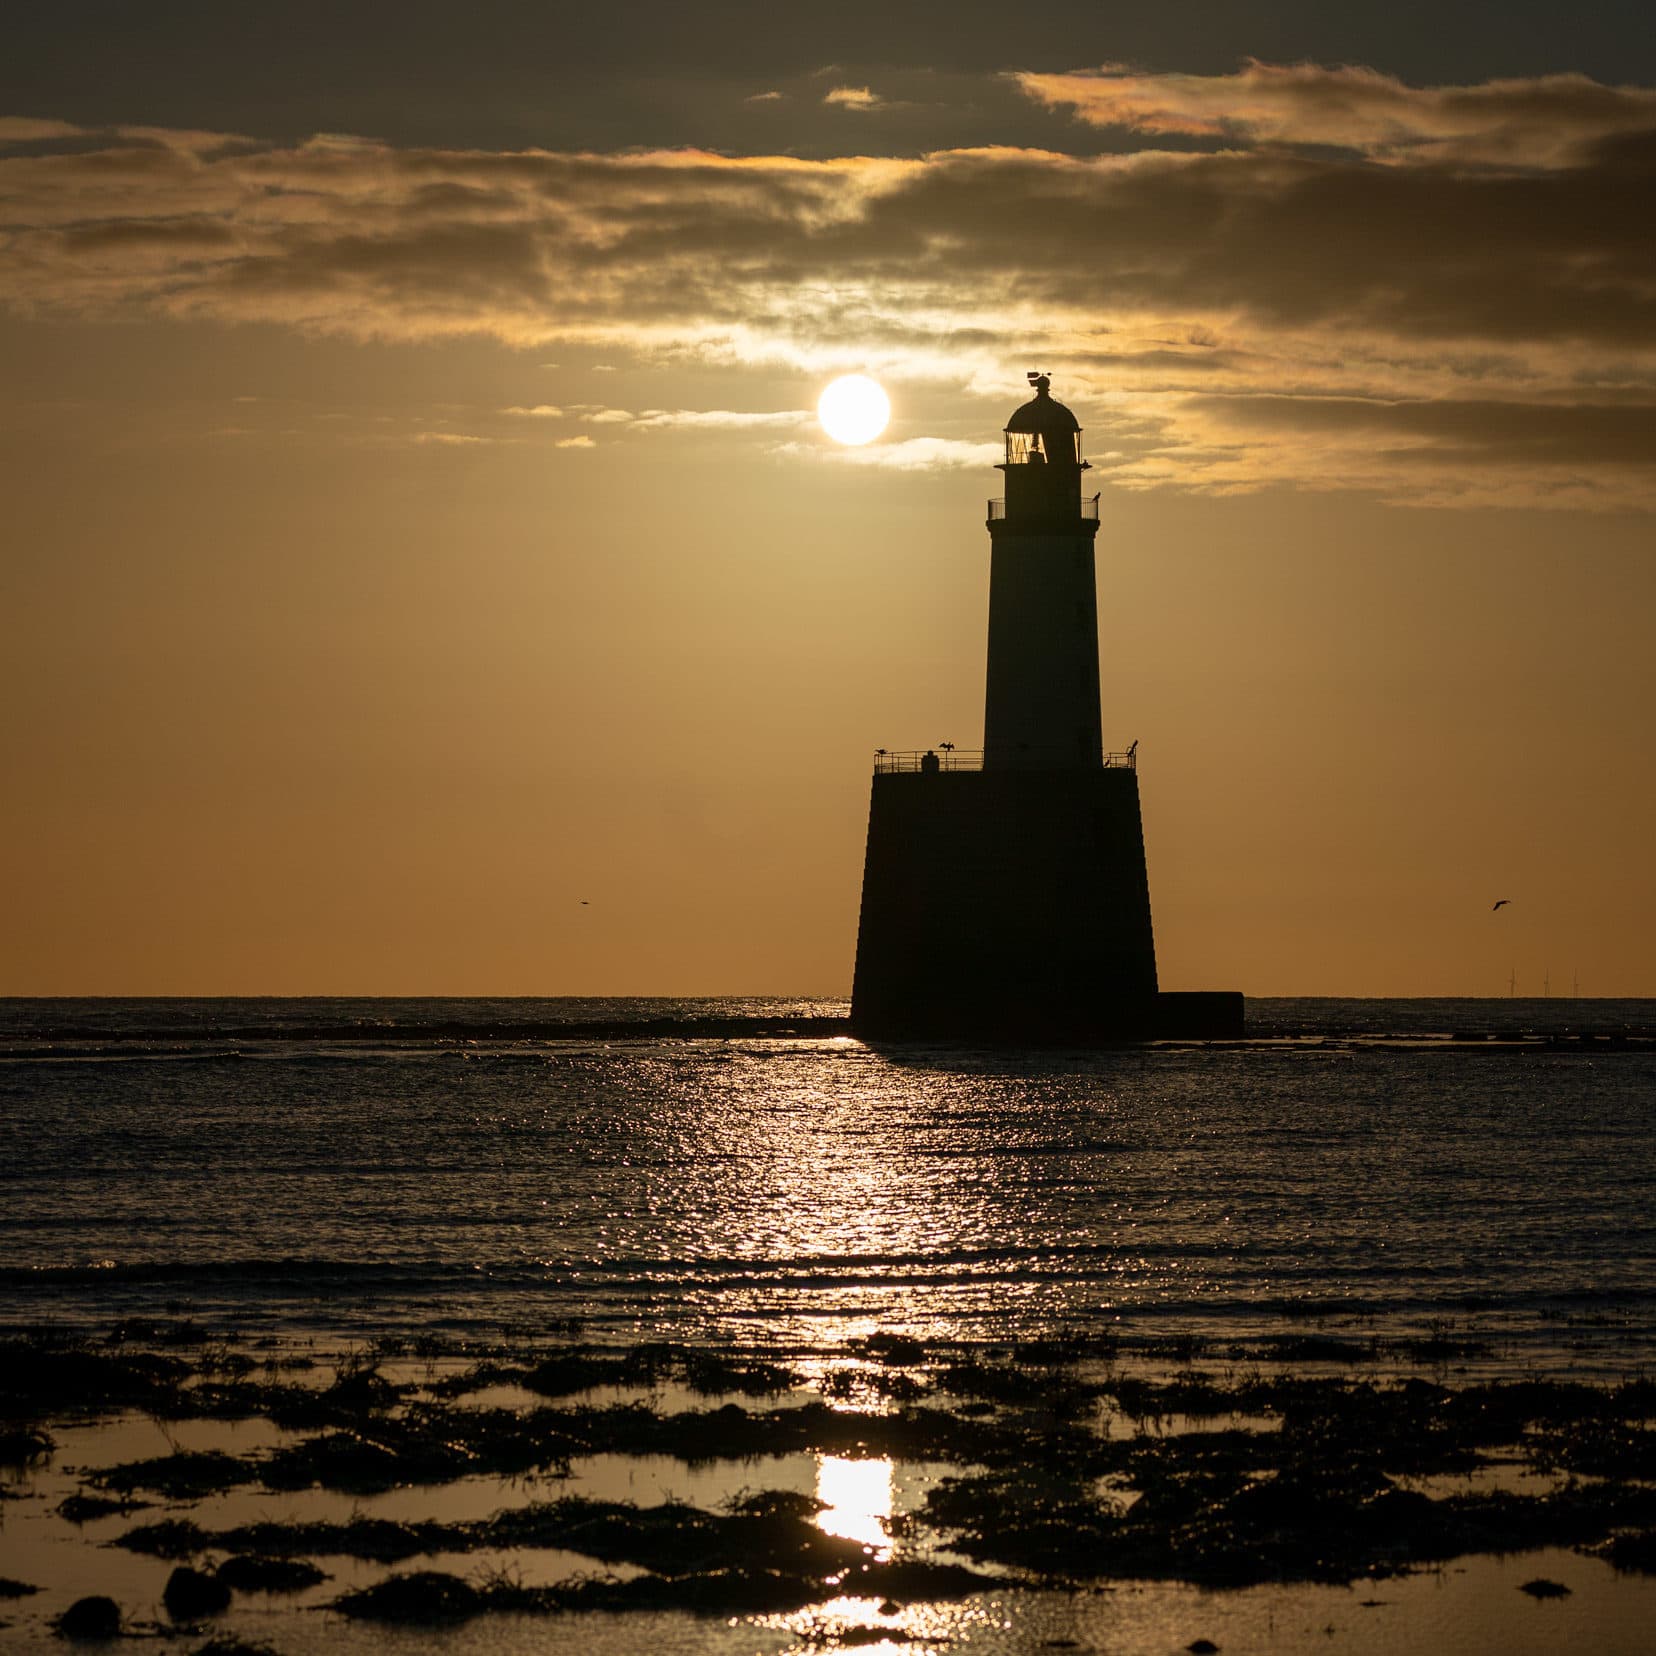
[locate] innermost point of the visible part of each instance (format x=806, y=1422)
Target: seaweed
x=1631, y=1553
x=429, y=1598
x=1599, y=1449
x=183, y=1475
x=478, y=1377
x=24, y=1445
x=358, y=1465
x=379, y=1540
x=359, y=1394
x=426, y=1598
x=1542, y=1588
x=1223, y=1524
x=898, y=1349
x=1051, y=1387
x=708, y=1373
x=39, y=1378
x=847, y=1385
x=258, y=1573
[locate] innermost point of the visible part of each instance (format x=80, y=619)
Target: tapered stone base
x=1013, y=906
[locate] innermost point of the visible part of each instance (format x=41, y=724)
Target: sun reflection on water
x=883, y=1629
x=857, y=1499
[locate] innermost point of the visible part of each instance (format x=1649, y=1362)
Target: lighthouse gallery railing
x=1089, y=509
x=889, y=763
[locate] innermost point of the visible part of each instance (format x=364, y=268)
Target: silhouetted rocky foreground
x=1071, y=1461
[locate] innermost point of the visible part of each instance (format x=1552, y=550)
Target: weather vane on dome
x=1041, y=382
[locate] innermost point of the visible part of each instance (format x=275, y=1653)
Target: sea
x=740, y=1172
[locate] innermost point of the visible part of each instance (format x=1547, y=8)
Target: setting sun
x=854, y=409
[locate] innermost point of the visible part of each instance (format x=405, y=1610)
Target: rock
x=95, y=1617
x=1201, y=1647
x=191, y=1593
x=1542, y=1588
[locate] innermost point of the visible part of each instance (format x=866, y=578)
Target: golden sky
x=423, y=572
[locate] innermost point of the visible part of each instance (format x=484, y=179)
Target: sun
x=854, y=409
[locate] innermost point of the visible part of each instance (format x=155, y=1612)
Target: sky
x=422, y=571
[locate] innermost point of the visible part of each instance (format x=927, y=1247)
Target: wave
x=1360, y=1288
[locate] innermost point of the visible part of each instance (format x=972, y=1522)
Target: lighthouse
x=1005, y=893
x=1041, y=694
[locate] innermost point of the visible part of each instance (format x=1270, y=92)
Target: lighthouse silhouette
x=1005, y=894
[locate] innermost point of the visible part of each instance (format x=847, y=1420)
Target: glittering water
x=802, y=1190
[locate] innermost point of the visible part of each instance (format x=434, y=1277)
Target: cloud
x=1351, y=257
x=851, y=97
x=912, y=454
x=541, y=411
x=1444, y=432
x=19, y=129
x=575, y=443
x=923, y=454
x=721, y=419
x=1548, y=120
x=764, y=97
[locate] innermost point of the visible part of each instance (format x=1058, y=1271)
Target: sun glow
x=856, y=1498
x=854, y=409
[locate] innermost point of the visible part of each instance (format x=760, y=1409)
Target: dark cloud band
x=1428, y=277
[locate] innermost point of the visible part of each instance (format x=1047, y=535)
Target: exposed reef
x=1060, y=1462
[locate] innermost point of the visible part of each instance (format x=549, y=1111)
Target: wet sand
x=1076, y=1493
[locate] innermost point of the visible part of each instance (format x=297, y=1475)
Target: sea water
x=332, y=1169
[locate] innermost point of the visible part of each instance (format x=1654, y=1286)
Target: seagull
x=1501, y=904
x=947, y=747
x=585, y=903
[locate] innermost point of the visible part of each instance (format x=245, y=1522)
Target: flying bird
x=1502, y=903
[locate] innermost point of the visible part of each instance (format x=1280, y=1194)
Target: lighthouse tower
x=1005, y=893
x=1041, y=706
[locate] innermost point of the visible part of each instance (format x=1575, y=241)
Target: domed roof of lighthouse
x=1043, y=412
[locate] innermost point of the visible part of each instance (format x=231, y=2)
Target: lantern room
x=1043, y=462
